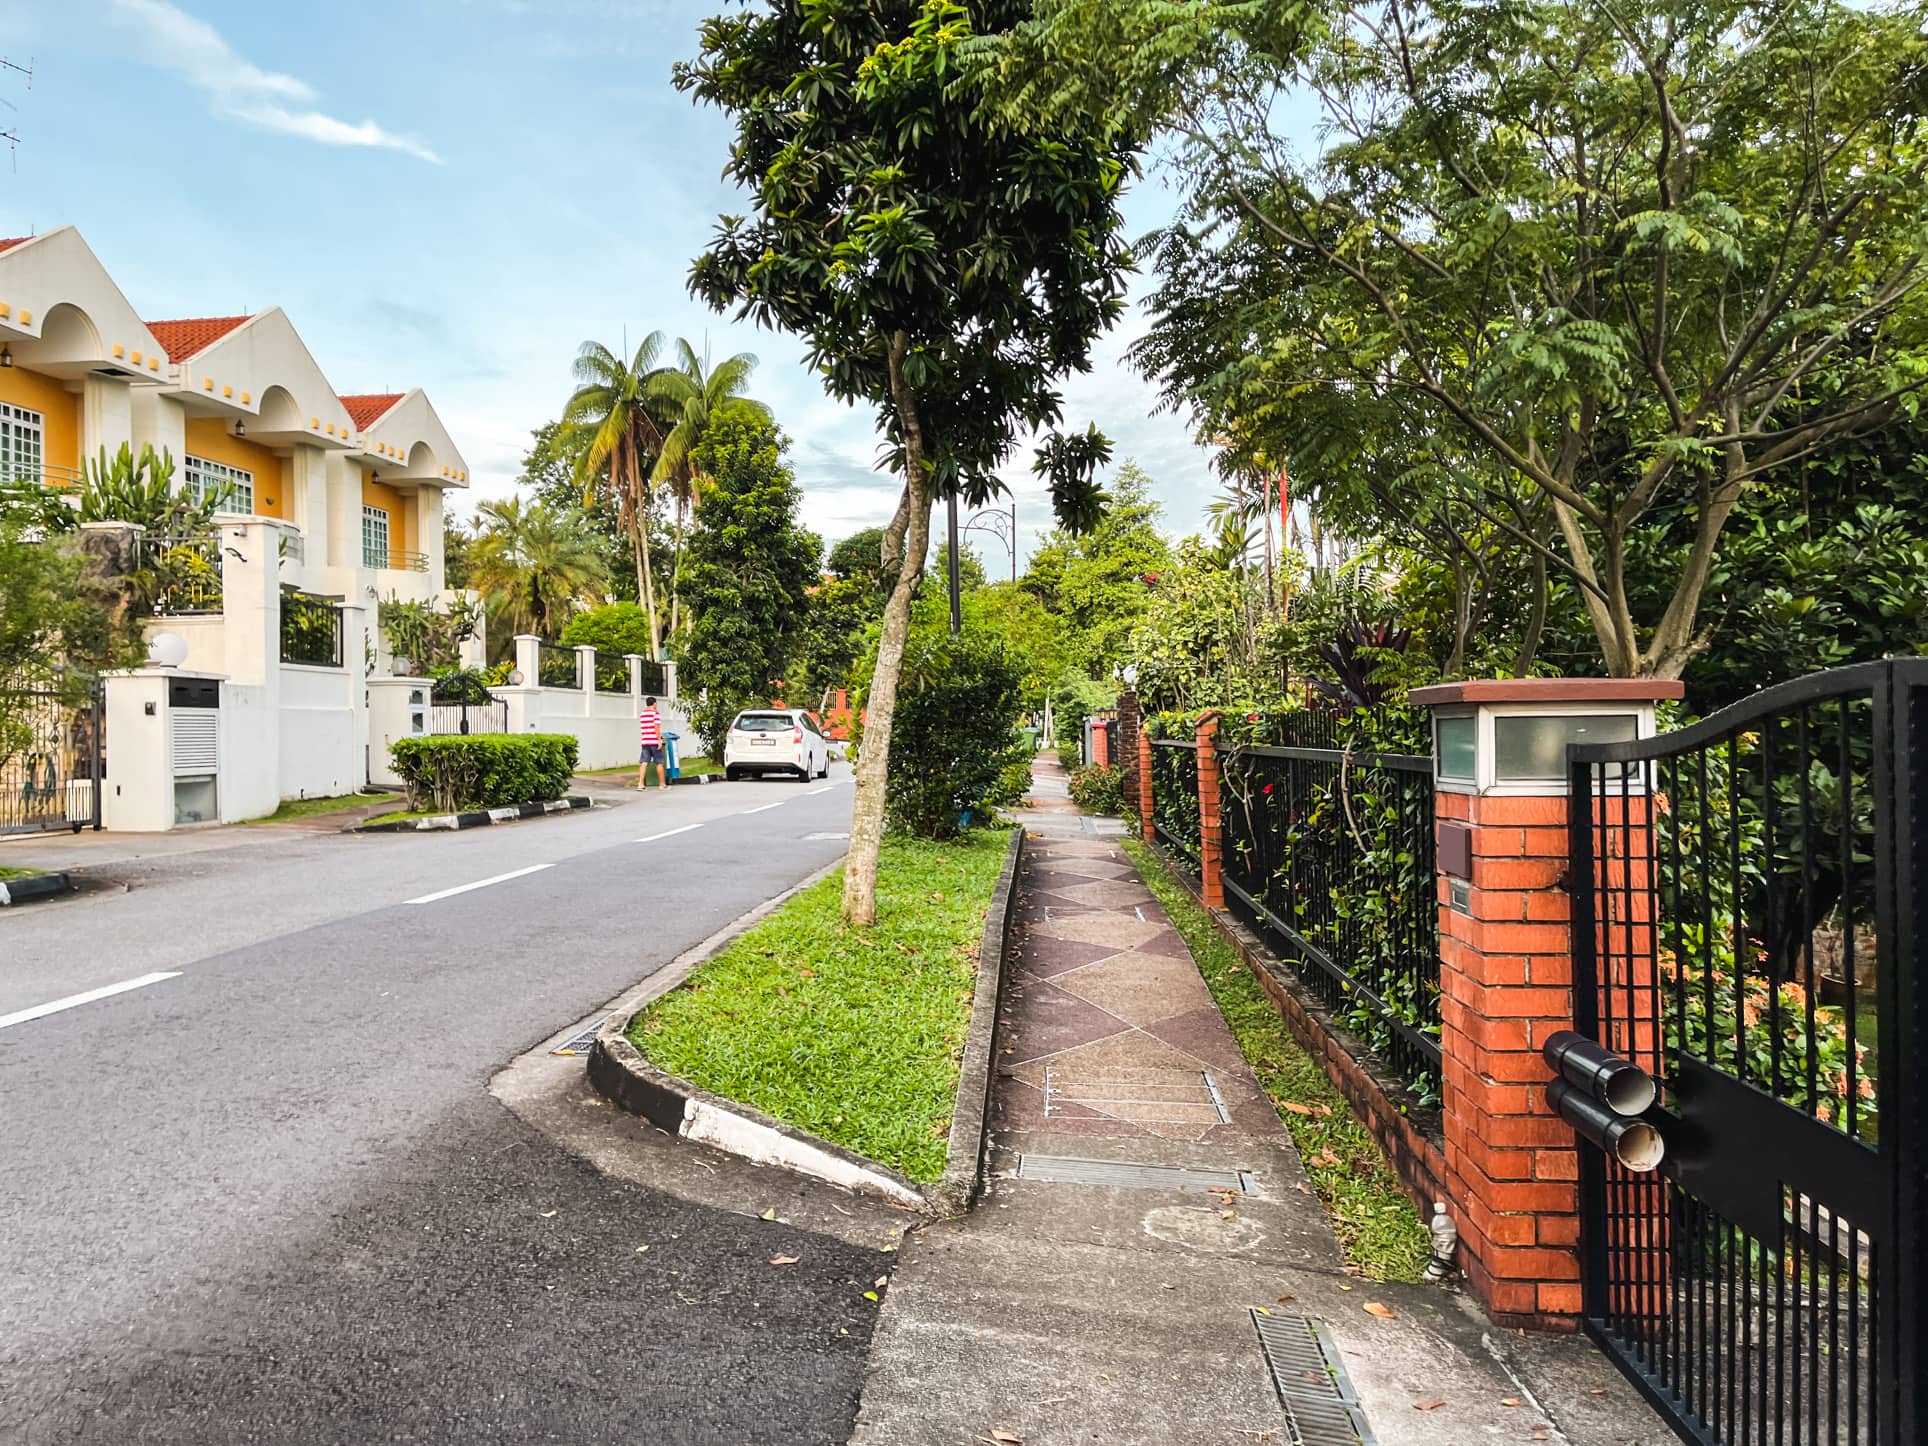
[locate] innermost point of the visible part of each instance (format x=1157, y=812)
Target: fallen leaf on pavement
x=1431, y=1403
x=769, y=1214
x=1510, y=1401
x=870, y=1295
x=641, y=1249
x=785, y=1259
x=1284, y=1298
x=1228, y=1214
x=1373, y=1307
x=547, y=1214
x=882, y=1281
x=1261, y=1310
x=1006, y=1438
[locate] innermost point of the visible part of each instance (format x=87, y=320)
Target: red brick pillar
x=1144, y=786
x=1210, y=835
x=1100, y=744
x=1125, y=737
x=1506, y=986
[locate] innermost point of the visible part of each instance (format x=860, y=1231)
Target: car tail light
x=797, y=737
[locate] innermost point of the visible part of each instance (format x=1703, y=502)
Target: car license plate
x=763, y=743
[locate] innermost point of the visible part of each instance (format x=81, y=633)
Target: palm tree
x=613, y=408
x=686, y=396
x=533, y=565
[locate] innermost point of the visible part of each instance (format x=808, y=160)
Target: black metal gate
x=1747, y=926
x=50, y=754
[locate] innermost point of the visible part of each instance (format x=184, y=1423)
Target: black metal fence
x=1174, y=795
x=1747, y=928
x=655, y=678
x=51, y=734
x=558, y=667
x=465, y=716
x=310, y=630
x=611, y=672
x=1328, y=854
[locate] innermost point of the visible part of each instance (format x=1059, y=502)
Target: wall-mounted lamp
x=240, y=428
x=6, y=356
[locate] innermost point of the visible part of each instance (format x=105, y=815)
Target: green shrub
x=617, y=628
x=954, y=742
x=1099, y=790
x=484, y=770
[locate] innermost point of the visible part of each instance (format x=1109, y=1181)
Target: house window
x=230, y=487
x=374, y=537
x=22, y=443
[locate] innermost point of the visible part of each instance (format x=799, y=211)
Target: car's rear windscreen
x=763, y=722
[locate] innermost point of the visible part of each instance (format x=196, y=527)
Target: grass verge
x=1378, y=1229
x=683, y=766
x=309, y=807
x=406, y=815
x=851, y=1034
x=6, y=874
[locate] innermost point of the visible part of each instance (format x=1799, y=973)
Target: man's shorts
x=654, y=753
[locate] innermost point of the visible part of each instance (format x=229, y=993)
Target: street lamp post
x=997, y=521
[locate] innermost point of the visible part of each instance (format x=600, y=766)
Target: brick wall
x=1125, y=737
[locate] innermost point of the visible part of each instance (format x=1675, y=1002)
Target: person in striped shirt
x=649, y=724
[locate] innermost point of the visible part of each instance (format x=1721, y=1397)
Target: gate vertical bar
x=98, y=733
x=1906, y=1370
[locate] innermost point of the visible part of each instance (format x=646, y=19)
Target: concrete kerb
x=621, y=1073
x=33, y=888
x=478, y=818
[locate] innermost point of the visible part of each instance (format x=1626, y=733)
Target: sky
x=455, y=194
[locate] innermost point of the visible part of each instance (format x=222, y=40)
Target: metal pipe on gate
x=1623, y=1087
x=1636, y=1144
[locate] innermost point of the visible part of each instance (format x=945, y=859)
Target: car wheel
x=729, y=775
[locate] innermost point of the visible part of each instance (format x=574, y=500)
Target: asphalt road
x=270, y=1199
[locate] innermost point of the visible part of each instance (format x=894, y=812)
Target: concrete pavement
x=270, y=1198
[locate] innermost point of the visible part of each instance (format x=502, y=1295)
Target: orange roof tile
x=9, y=242
x=193, y=334
x=365, y=407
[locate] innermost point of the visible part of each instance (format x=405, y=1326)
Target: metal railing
x=310, y=630
x=611, y=672
x=464, y=716
x=403, y=561
x=655, y=678
x=1328, y=854
x=1174, y=795
x=557, y=667
x=180, y=574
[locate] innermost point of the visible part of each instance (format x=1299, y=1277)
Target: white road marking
x=668, y=833
x=764, y=808
x=104, y=992
x=481, y=884
x=815, y=791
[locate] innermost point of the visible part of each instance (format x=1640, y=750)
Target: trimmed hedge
x=484, y=770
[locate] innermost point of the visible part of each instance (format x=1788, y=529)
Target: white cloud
x=172, y=38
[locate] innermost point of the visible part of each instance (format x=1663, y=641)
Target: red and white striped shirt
x=650, y=723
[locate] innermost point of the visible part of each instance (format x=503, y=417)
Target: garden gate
x=50, y=755
x=1747, y=926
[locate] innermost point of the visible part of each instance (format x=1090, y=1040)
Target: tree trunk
x=676, y=572
x=880, y=705
x=639, y=538
x=1535, y=621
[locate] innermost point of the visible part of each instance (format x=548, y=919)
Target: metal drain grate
x=1123, y=1175
x=1145, y=1097
x=582, y=1042
x=1321, y=1408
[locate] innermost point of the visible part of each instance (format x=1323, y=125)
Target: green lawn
x=309, y=807
x=853, y=1035
x=20, y=873
x=698, y=764
x=1377, y=1226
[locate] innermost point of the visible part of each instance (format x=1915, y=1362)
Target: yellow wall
x=60, y=409
x=208, y=438
x=400, y=508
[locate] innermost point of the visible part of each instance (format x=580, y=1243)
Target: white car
x=775, y=740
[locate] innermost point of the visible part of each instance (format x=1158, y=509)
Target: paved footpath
x=1086, y=1309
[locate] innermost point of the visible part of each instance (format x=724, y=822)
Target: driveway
x=268, y=1197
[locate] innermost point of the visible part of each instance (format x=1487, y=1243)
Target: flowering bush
x=1099, y=790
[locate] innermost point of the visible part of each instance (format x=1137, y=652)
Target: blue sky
x=451, y=194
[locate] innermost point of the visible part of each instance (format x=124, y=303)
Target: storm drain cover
x=1142, y=1096
x=823, y=837
x=582, y=1043
x=1321, y=1408
x=1123, y=1175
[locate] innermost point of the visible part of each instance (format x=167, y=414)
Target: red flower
x=1266, y=789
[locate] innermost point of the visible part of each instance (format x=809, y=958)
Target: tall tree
x=611, y=416
x=942, y=264
x=748, y=569
x=686, y=395
x=1102, y=580
x=533, y=565
x=1620, y=262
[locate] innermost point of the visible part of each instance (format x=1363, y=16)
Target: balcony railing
x=394, y=559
